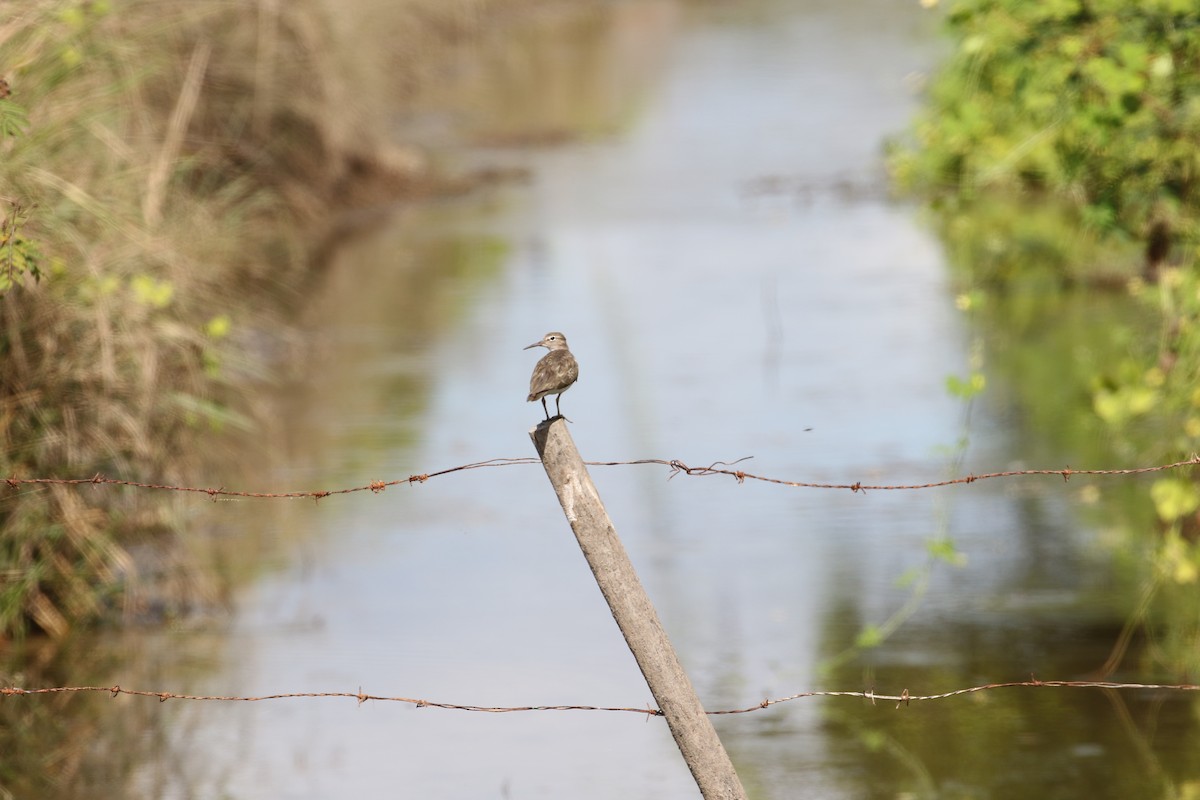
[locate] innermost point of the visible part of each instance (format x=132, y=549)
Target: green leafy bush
x=1095, y=105
x=1059, y=149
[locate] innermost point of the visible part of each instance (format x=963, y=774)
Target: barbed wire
x=905, y=698
x=742, y=476
x=675, y=466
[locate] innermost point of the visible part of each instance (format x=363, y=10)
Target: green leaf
x=870, y=636
x=944, y=550
x=218, y=327
x=1179, y=559
x=1118, y=406
x=1174, y=498
x=152, y=292
x=966, y=388
x=13, y=119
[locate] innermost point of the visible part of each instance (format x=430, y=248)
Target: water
x=734, y=283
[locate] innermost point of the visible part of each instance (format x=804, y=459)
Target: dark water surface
x=719, y=250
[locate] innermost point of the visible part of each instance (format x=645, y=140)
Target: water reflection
x=710, y=323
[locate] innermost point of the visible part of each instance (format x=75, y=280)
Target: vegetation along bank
x=1057, y=155
x=170, y=173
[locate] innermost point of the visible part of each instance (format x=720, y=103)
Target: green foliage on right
x=1094, y=104
x=1059, y=151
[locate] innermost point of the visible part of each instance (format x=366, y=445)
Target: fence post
x=634, y=614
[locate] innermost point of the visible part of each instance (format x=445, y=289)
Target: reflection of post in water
x=634, y=614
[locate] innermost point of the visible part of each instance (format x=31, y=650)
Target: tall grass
x=179, y=163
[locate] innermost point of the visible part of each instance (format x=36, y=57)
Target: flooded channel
x=715, y=239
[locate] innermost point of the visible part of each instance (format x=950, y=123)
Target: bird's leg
x=544, y=407
x=557, y=399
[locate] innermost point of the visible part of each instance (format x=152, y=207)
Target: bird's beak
x=535, y=344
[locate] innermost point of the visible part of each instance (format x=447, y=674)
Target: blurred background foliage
x=1057, y=158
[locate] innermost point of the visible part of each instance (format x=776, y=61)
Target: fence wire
x=905, y=698
x=674, y=465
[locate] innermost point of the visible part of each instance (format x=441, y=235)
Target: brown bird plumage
x=554, y=373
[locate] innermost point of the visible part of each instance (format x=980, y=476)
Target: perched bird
x=555, y=373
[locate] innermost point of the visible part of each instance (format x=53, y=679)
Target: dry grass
x=182, y=161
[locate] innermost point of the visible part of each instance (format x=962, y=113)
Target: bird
x=554, y=373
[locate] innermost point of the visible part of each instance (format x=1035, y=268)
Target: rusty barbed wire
x=741, y=476
x=905, y=698
x=374, y=486
x=676, y=467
